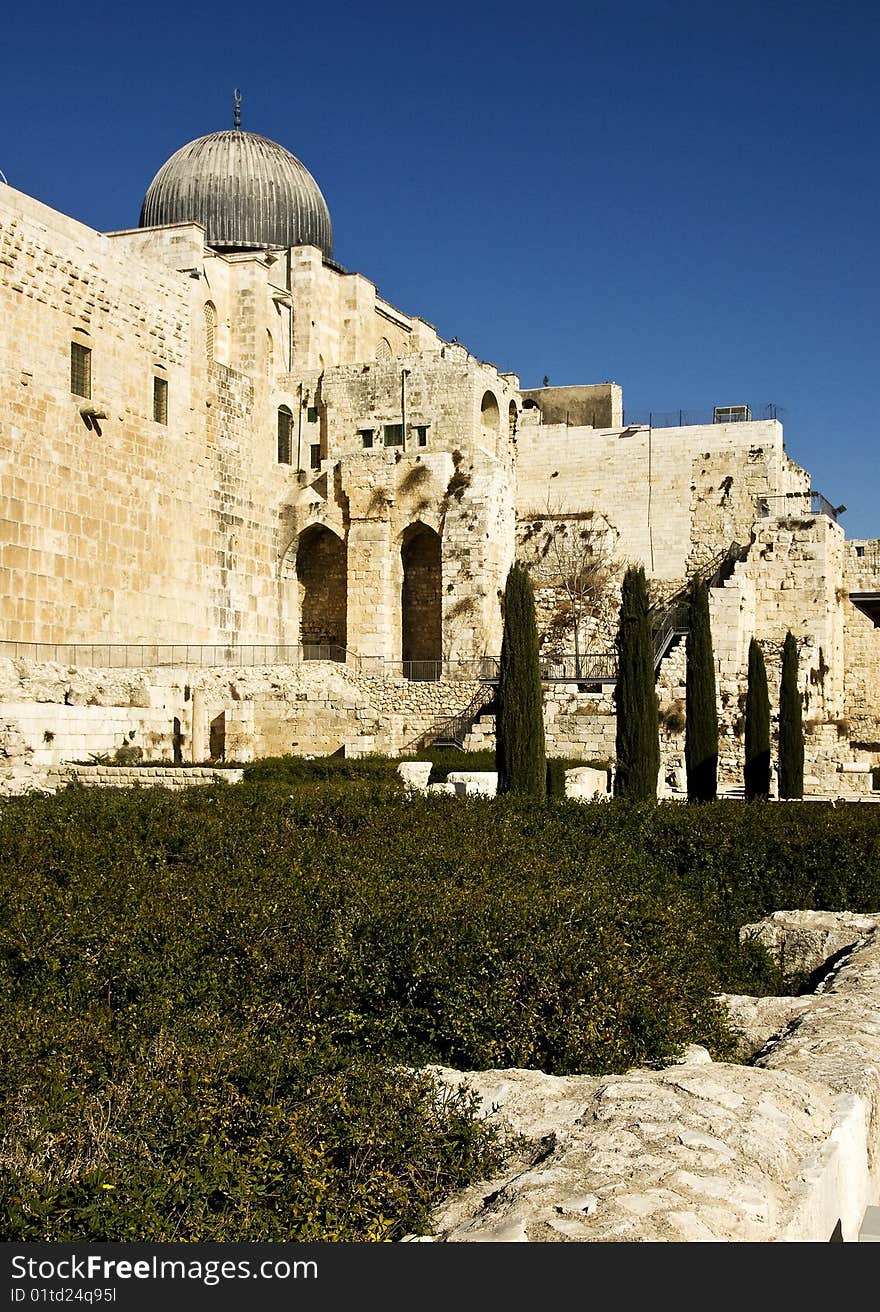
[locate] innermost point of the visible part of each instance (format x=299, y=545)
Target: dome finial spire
x=236, y=110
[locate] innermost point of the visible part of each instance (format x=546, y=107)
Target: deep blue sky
x=682, y=198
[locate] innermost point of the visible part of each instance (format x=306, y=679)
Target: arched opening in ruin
x=321, y=566
x=490, y=421
x=421, y=602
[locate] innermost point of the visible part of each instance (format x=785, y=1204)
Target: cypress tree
x=757, y=759
x=701, y=723
x=638, y=730
x=519, y=722
x=791, y=729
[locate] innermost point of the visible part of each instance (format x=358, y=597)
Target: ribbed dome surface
x=249, y=192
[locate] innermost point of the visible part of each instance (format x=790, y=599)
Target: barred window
x=394, y=434
x=210, y=326
x=80, y=370
x=160, y=401
x=285, y=435
x=316, y=455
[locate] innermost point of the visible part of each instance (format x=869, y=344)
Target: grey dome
x=247, y=191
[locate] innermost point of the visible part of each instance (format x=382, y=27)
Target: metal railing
x=689, y=418
x=674, y=620
x=452, y=730
x=789, y=504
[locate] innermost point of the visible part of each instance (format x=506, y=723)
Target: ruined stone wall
x=676, y=496
x=52, y=714
x=862, y=645
x=599, y=405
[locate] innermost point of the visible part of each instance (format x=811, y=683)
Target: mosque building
x=220, y=449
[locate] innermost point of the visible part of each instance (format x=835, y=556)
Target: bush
x=212, y=1002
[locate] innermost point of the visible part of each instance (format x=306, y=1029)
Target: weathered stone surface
x=587, y=784
x=415, y=774
x=779, y=1151
x=802, y=940
x=474, y=783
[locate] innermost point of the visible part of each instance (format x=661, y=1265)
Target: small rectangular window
x=316, y=455
x=160, y=401
x=394, y=434
x=366, y=436
x=80, y=370
x=422, y=434
x=312, y=414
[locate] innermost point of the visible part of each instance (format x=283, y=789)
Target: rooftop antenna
x=236, y=116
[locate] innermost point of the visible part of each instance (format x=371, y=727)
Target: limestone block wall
x=339, y=317
x=798, y=569
x=52, y=714
x=676, y=496
x=120, y=527
x=599, y=405
x=862, y=645
x=862, y=694
x=441, y=391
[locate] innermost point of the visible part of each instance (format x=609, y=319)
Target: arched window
x=383, y=349
x=490, y=417
x=285, y=435
x=210, y=330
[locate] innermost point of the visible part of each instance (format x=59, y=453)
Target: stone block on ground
x=474, y=783
x=586, y=783
x=415, y=774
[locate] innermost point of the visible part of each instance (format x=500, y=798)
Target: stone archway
x=321, y=567
x=490, y=421
x=421, y=602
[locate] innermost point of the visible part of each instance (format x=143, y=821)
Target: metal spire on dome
x=236, y=112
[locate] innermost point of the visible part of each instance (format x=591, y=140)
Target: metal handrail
x=786, y=504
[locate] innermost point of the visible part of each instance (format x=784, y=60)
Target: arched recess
x=321, y=565
x=210, y=314
x=490, y=421
x=512, y=416
x=421, y=599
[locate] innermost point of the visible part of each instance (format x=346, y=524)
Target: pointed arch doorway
x=421, y=602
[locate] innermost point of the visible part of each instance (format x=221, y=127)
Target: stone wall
x=51, y=715
x=675, y=496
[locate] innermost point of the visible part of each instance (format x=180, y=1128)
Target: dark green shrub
x=791, y=731
x=206, y=999
x=701, y=723
x=638, y=736
x=757, y=727
x=519, y=721
x=555, y=777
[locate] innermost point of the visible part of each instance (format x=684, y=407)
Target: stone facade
x=256, y=452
